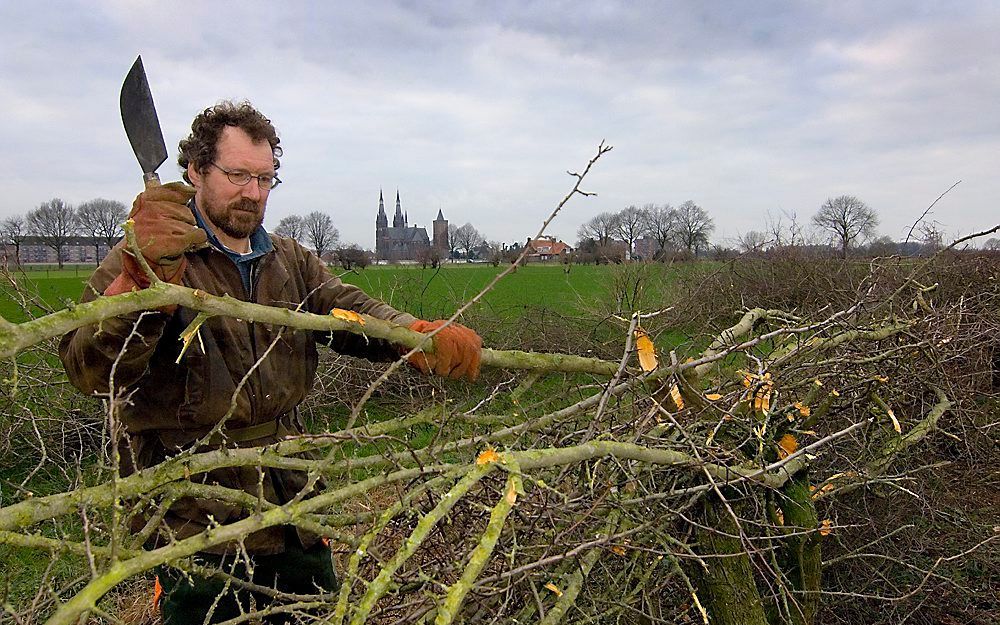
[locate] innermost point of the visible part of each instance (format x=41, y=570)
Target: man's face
x=234, y=211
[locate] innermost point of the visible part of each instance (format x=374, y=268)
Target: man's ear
x=194, y=175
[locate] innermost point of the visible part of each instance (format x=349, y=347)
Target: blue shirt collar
x=260, y=242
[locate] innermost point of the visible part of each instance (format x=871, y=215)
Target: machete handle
x=151, y=180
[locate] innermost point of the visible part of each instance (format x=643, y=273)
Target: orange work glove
x=165, y=228
x=457, y=350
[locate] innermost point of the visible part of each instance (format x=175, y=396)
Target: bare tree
x=692, y=227
x=784, y=229
x=601, y=228
x=796, y=230
x=452, y=245
x=629, y=226
x=932, y=236
x=753, y=242
x=429, y=257
x=13, y=231
x=846, y=219
x=467, y=238
x=54, y=223
x=496, y=252
x=102, y=219
x=320, y=232
x=774, y=229
x=292, y=227
x=658, y=224
x=352, y=256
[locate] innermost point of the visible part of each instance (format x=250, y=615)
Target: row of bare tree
x=56, y=222
x=686, y=227
x=654, y=231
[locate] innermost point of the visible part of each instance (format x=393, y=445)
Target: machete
x=141, y=124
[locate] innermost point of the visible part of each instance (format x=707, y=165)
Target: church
x=402, y=241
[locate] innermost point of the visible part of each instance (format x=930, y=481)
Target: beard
x=238, y=219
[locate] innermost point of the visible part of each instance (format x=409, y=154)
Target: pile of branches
x=780, y=474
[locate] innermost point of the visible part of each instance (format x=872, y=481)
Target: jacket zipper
x=255, y=270
x=253, y=384
x=255, y=378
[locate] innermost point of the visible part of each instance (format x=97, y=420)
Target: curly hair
x=201, y=146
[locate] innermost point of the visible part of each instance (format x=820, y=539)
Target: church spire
x=398, y=221
x=381, y=221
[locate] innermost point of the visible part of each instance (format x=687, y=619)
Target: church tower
x=441, y=233
x=398, y=221
x=381, y=229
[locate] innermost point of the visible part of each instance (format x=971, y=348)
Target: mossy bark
x=726, y=587
x=801, y=558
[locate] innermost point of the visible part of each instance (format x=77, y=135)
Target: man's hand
x=165, y=228
x=457, y=350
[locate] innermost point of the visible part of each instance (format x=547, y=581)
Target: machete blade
x=141, y=123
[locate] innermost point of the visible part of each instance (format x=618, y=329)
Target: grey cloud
x=478, y=108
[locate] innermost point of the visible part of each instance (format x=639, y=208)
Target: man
x=210, y=237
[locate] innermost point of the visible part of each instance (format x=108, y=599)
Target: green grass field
x=42, y=286
x=432, y=293
x=427, y=293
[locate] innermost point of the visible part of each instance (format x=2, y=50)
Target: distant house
x=547, y=248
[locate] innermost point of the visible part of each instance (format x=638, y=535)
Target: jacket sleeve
x=329, y=292
x=90, y=353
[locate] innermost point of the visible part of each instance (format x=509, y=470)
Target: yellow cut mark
x=787, y=446
x=487, y=456
x=675, y=394
x=347, y=315
x=895, y=421
x=825, y=527
x=819, y=492
x=512, y=495
x=762, y=399
x=646, y=350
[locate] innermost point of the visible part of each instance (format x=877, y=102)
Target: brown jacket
x=173, y=405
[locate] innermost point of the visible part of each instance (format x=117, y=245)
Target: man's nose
x=252, y=190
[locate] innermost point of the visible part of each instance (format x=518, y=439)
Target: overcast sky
x=478, y=109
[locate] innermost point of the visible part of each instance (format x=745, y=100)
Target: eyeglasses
x=241, y=178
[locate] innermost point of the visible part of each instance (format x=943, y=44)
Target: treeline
x=648, y=233
x=843, y=226
x=55, y=223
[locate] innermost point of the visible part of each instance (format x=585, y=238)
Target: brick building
x=33, y=250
